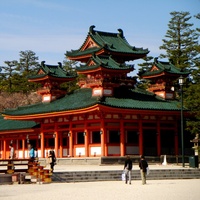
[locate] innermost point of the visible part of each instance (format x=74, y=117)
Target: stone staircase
x=115, y=175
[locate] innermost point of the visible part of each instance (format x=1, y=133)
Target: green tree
x=183, y=50
x=7, y=74
x=142, y=83
x=192, y=94
x=28, y=64
x=180, y=41
x=70, y=66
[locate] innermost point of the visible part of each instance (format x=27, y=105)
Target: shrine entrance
x=150, y=142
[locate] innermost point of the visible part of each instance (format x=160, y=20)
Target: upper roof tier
x=160, y=68
x=53, y=72
x=105, y=43
x=104, y=63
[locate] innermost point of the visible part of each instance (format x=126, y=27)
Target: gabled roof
x=108, y=42
x=82, y=98
x=55, y=71
x=105, y=62
x=160, y=67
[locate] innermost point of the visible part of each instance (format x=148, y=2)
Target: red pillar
x=61, y=145
x=86, y=143
x=70, y=143
x=4, y=149
x=105, y=139
x=23, y=148
x=42, y=144
x=140, y=137
x=122, y=140
x=56, y=143
x=102, y=138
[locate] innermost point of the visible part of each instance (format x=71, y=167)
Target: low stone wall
x=5, y=179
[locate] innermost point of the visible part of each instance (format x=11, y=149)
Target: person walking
x=143, y=169
x=52, y=159
x=128, y=169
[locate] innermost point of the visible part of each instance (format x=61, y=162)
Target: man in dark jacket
x=143, y=169
x=128, y=168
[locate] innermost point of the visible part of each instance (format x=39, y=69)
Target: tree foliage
x=180, y=41
x=69, y=66
x=183, y=50
x=14, y=76
x=192, y=94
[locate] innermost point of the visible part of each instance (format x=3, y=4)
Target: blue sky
x=52, y=27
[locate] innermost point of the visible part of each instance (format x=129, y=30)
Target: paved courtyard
x=111, y=190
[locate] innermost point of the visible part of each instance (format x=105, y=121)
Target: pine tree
x=28, y=64
x=180, y=41
x=7, y=73
x=192, y=94
x=70, y=66
x=183, y=50
x=142, y=83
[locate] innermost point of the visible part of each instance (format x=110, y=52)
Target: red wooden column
x=102, y=132
x=61, y=145
x=56, y=142
x=122, y=138
x=140, y=137
x=70, y=134
x=42, y=143
x=86, y=135
x=105, y=139
x=158, y=138
x=23, y=147
x=4, y=149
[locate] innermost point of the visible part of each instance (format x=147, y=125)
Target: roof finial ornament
x=121, y=34
x=60, y=64
x=91, y=29
x=42, y=63
x=156, y=59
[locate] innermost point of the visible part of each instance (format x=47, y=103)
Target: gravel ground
x=186, y=189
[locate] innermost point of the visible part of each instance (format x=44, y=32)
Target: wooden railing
x=11, y=166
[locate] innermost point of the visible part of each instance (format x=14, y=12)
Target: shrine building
x=108, y=115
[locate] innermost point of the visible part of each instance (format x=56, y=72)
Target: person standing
x=128, y=169
x=36, y=154
x=12, y=151
x=52, y=159
x=143, y=169
x=32, y=153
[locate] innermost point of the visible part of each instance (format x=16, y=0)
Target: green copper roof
x=113, y=42
x=53, y=70
x=6, y=125
x=105, y=62
x=164, y=67
x=82, y=98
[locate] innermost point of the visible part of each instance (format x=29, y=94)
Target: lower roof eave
x=94, y=108
x=38, y=116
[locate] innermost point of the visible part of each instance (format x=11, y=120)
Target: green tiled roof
x=113, y=42
x=105, y=62
x=52, y=70
x=6, y=125
x=82, y=98
x=164, y=67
